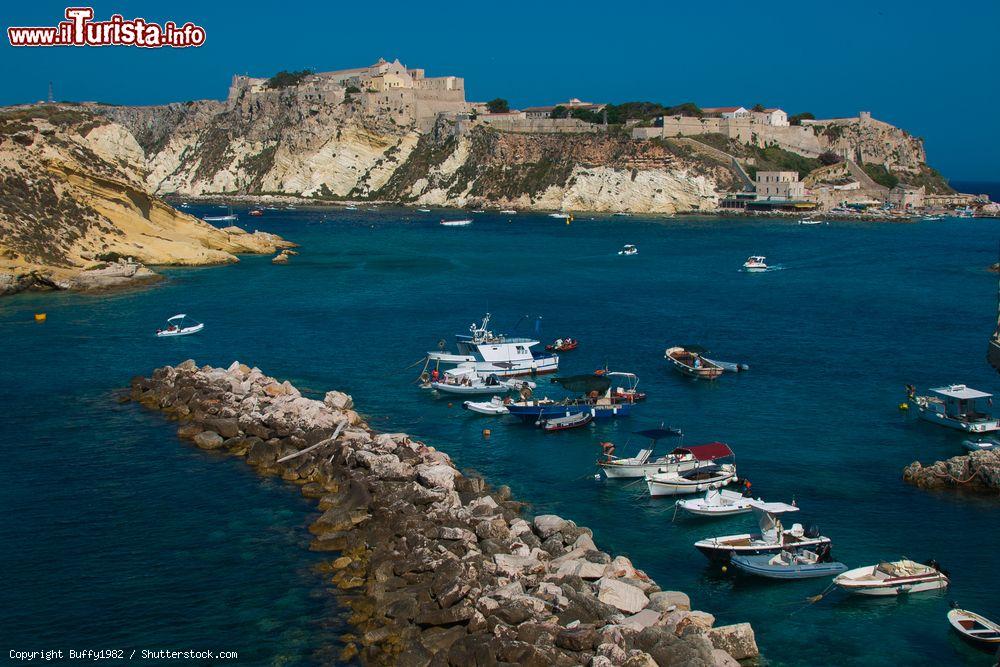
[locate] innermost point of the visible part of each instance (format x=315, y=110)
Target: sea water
x=117, y=535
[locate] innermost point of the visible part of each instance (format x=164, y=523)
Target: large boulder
x=620, y=595
x=437, y=475
x=737, y=640
x=549, y=524
x=209, y=440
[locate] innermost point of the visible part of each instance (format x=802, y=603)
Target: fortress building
x=387, y=89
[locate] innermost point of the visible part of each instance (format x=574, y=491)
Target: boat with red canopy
x=708, y=474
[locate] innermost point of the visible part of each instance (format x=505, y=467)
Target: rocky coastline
x=977, y=471
x=436, y=566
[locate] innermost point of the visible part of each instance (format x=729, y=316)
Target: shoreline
x=436, y=565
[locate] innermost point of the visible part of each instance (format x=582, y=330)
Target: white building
x=727, y=112
x=780, y=185
x=773, y=117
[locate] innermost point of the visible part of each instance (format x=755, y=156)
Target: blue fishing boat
x=791, y=564
x=597, y=400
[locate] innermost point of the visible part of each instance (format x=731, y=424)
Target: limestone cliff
x=74, y=202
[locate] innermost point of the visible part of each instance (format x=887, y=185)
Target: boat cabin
x=960, y=402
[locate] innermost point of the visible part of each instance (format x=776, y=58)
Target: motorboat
x=892, y=578
x=976, y=629
x=772, y=538
x=715, y=503
x=185, y=204
x=494, y=406
x=229, y=217
x=981, y=444
x=179, y=325
x=509, y=211
x=622, y=214
x=424, y=210
x=456, y=223
x=576, y=420
x=957, y=406
x=628, y=249
x=631, y=395
x=560, y=216
x=494, y=354
x=256, y=212
x=755, y=264
x=464, y=379
x=596, y=398
x=563, y=345
x=351, y=208
x=696, y=480
x=791, y=564
x=692, y=363
x=644, y=462
x=627, y=393
x=810, y=221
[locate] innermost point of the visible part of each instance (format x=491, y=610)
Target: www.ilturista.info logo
x=81, y=30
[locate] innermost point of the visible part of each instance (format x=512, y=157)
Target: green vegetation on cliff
x=284, y=79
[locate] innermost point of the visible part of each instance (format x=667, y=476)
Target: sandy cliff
x=74, y=205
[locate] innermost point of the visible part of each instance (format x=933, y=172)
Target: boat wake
x=770, y=269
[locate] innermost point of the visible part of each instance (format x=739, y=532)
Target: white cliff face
x=604, y=189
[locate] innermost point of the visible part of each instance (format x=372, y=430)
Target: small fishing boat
x=560, y=216
x=981, y=444
x=772, y=538
x=576, y=420
x=629, y=395
x=692, y=364
x=717, y=502
x=810, y=221
x=699, y=479
x=256, y=212
x=643, y=462
x=978, y=630
x=464, y=379
x=622, y=214
x=351, y=208
x=456, y=223
x=901, y=576
x=220, y=218
x=755, y=264
x=494, y=406
x=956, y=406
x=791, y=564
x=184, y=204
x=493, y=354
x=509, y=211
x=563, y=345
x=424, y=210
x=179, y=326
x=628, y=249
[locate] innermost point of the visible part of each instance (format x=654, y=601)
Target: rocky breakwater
x=436, y=566
x=978, y=471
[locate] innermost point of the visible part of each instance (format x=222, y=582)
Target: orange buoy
x=39, y=317
x=486, y=432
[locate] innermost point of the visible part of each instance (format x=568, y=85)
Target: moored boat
x=494, y=354
x=696, y=480
x=456, y=223
x=494, y=406
x=892, y=578
x=577, y=420
x=957, y=406
x=643, y=462
x=772, y=538
x=975, y=628
x=256, y=212
x=692, y=364
x=791, y=564
x=464, y=379
x=716, y=503
x=563, y=345
x=981, y=444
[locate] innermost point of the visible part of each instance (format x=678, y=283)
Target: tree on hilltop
x=498, y=105
x=799, y=117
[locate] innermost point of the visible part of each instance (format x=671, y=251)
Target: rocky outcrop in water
x=977, y=471
x=437, y=567
x=76, y=213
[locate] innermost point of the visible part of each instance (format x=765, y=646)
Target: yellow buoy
x=725, y=569
x=39, y=317
x=486, y=432
x=904, y=406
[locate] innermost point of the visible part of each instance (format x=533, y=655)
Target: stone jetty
x=437, y=567
x=976, y=471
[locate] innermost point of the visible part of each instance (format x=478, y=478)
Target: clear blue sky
x=931, y=68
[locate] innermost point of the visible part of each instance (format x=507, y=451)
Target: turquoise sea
x=116, y=535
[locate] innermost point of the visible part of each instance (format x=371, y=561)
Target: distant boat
x=975, y=629
x=176, y=327
x=809, y=221
x=424, y=210
x=755, y=264
x=560, y=216
x=623, y=214
x=256, y=212
x=628, y=249
x=456, y=223
x=509, y=211
x=692, y=364
x=350, y=208
x=221, y=218
x=479, y=211
x=957, y=406
x=184, y=204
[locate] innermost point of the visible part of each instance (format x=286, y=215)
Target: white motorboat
x=464, y=379
x=350, y=208
x=628, y=249
x=230, y=216
x=179, y=326
x=560, y=216
x=716, y=503
x=424, y=210
x=902, y=576
x=623, y=214
x=696, y=480
x=494, y=354
x=957, y=406
x=755, y=264
x=494, y=406
x=643, y=463
x=773, y=536
x=509, y=211
x=456, y=223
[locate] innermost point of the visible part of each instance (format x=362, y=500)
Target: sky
x=929, y=68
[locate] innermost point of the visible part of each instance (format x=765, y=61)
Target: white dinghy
x=717, y=503
x=494, y=406
x=901, y=576
x=464, y=379
x=773, y=536
x=179, y=326
x=644, y=462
